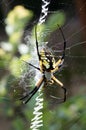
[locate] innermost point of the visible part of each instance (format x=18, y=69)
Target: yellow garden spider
x=48, y=67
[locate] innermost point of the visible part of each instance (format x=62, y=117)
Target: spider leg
x=31, y=94
x=34, y=90
x=37, y=42
x=61, y=85
x=59, y=63
x=32, y=65
x=63, y=55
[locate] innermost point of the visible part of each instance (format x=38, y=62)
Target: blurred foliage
x=17, y=19
x=70, y=115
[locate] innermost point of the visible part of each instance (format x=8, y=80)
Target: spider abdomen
x=48, y=76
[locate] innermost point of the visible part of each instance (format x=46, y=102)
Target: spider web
x=73, y=65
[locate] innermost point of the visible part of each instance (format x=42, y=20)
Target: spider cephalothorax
x=47, y=66
x=47, y=61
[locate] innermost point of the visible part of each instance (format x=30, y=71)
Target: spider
x=48, y=66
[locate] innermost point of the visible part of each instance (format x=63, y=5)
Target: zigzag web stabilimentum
x=37, y=121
